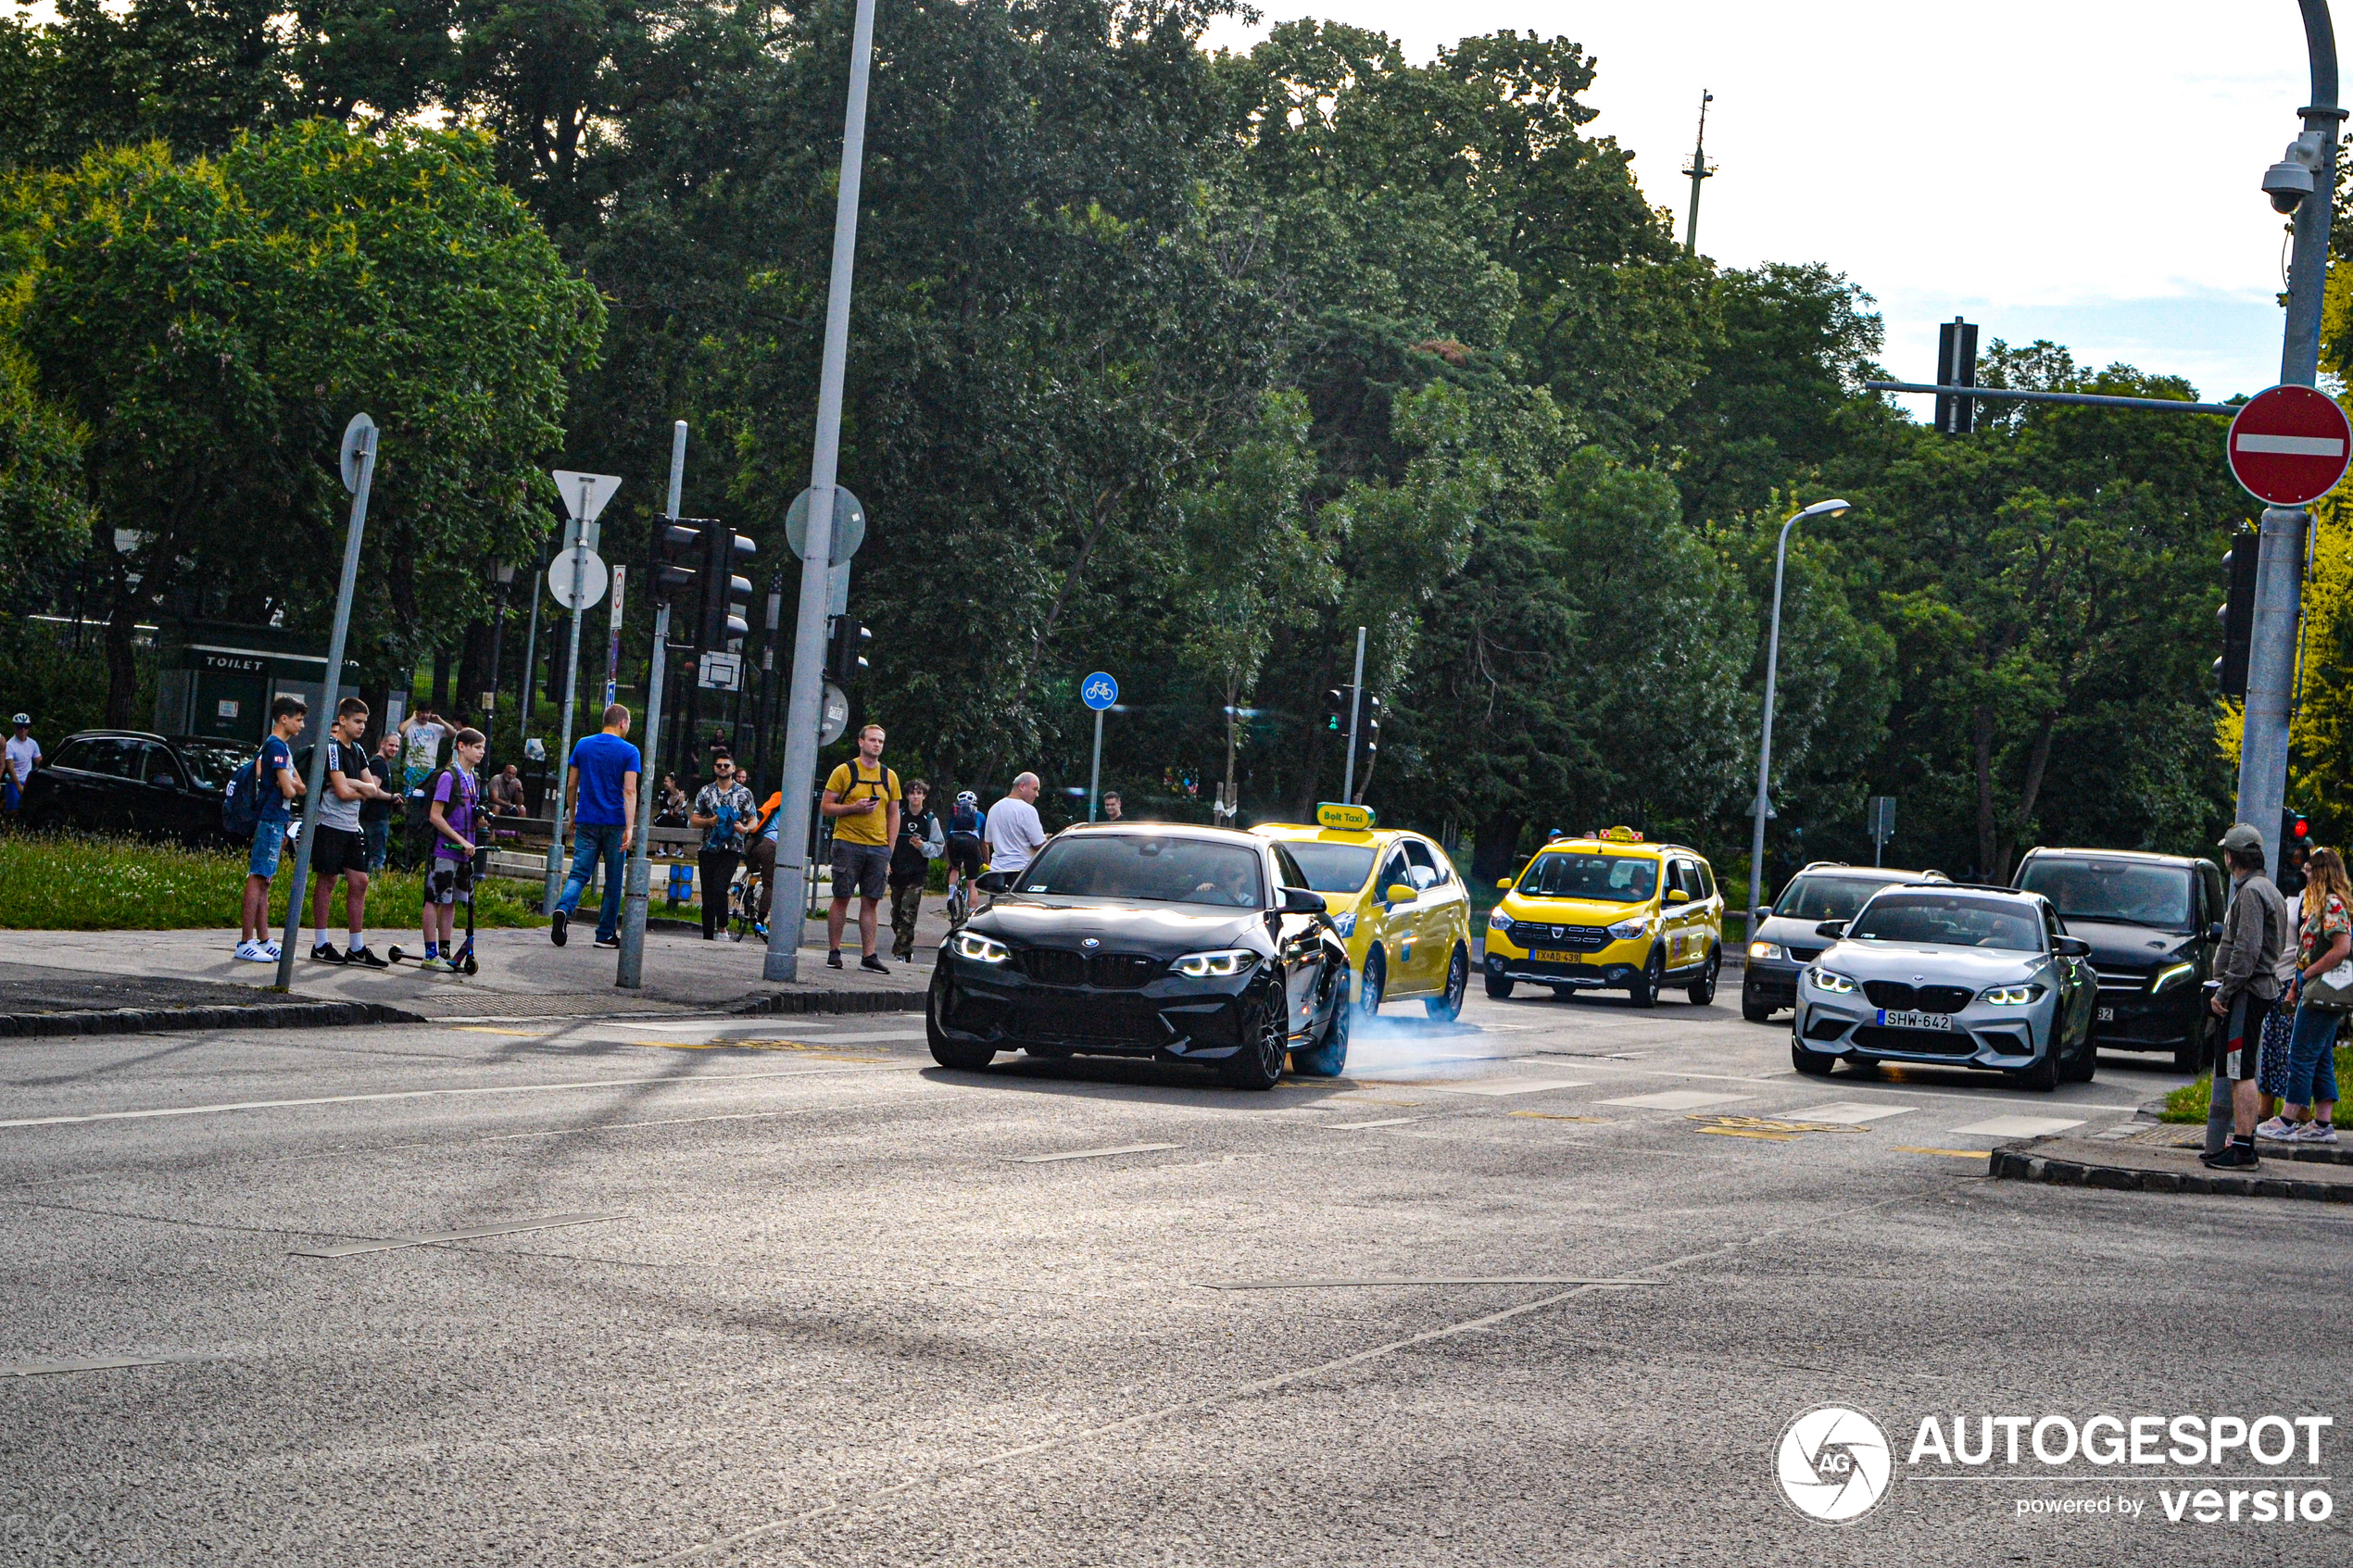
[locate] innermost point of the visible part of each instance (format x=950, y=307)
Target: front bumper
x=1990, y=1038
x=1771, y=983
x=1172, y=1016
x=2136, y=1019
x=1614, y=965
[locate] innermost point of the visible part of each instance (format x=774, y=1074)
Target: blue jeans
x=592, y=842
x=2312, y=1056
x=376, y=833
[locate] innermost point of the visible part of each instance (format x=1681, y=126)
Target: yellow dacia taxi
x=1396, y=902
x=1609, y=911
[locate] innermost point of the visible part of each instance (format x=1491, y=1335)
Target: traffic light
x=726, y=593
x=1335, y=709
x=1372, y=725
x=2237, y=614
x=1956, y=365
x=2296, y=852
x=845, y=642
x=678, y=549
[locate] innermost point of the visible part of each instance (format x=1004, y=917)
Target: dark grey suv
x=2154, y=923
x=1784, y=942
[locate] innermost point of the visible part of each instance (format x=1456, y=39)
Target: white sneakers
x=2280, y=1130
x=258, y=952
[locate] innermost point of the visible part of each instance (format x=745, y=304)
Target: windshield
x=1818, y=898
x=1169, y=871
x=2121, y=892
x=1333, y=868
x=1614, y=879
x=1948, y=921
x=210, y=766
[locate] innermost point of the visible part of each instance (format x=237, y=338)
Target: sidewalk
x=2142, y=1157
x=522, y=975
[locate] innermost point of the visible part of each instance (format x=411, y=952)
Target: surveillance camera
x=2288, y=182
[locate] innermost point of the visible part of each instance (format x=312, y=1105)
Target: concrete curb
x=796, y=1002
x=156, y=1021
x=2018, y=1162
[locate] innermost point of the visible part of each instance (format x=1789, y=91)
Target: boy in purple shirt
x=451, y=813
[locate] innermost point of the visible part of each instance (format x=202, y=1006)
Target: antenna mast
x=1700, y=169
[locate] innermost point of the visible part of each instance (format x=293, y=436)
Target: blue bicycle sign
x=1098, y=691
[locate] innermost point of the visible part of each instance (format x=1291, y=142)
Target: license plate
x=1552, y=954
x=2107, y=1015
x=1915, y=1020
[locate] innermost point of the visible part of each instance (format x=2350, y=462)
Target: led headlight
x=1765, y=950
x=2011, y=996
x=980, y=949
x=1828, y=980
x=1345, y=923
x=1629, y=928
x=2174, y=974
x=1211, y=966
x=1498, y=920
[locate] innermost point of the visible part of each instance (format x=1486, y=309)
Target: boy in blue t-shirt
x=279, y=786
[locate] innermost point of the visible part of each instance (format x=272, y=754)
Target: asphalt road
x=825, y=1303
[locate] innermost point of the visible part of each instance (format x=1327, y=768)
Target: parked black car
x=129, y=781
x=1180, y=944
x=2154, y=923
x=1784, y=941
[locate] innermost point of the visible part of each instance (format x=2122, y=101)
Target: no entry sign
x=2289, y=445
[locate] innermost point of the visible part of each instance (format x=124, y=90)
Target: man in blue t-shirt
x=276, y=784
x=601, y=786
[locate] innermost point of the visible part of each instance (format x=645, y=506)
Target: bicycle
x=743, y=906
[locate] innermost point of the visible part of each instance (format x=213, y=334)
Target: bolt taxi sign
x=2289, y=445
x=1347, y=819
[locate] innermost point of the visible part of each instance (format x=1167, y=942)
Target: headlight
x=1498, y=920
x=1828, y=980
x=1345, y=923
x=2011, y=996
x=980, y=949
x=2174, y=974
x=1210, y=966
x=1765, y=950
x=1629, y=928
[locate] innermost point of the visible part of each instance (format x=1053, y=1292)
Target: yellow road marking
x=1765, y=1124
x=1956, y=1153
x=518, y=1033
x=811, y=1052
x=1376, y=1099
x=1550, y=1116
x=1752, y=1133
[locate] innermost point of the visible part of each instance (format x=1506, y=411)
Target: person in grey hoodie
x=2254, y=933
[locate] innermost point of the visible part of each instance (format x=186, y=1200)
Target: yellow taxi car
x=1396, y=902
x=1609, y=911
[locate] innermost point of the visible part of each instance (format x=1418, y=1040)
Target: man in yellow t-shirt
x=861, y=796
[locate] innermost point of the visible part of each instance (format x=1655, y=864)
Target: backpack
x=240, y=804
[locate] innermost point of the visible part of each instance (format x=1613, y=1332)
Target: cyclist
x=965, y=825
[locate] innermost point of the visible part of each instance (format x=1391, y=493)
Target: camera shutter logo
x=1833, y=1464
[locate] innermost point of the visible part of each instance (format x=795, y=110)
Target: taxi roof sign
x=1350, y=819
x=1619, y=836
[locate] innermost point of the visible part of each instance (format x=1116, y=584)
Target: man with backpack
x=258, y=802
x=862, y=799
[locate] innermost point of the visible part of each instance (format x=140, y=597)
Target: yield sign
x=585, y=494
x=2289, y=445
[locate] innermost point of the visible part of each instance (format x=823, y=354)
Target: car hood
x=1160, y=929
x=1788, y=930
x=2117, y=946
x=1973, y=967
x=1570, y=911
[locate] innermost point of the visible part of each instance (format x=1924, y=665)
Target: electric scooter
x=462, y=960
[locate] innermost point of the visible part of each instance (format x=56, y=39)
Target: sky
x=2083, y=171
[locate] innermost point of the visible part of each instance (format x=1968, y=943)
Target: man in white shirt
x=1014, y=834
x=24, y=755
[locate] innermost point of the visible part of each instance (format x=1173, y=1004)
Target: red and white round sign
x=2289, y=445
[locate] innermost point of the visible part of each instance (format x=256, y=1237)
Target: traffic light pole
x=2279, y=583
x=804, y=706
x=632, y=971
x=1355, y=703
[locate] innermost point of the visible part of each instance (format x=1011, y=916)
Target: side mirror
x=1303, y=902
x=996, y=882
x=1506, y=884
x=1677, y=895
x=2071, y=947
x=1399, y=894
x=1833, y=929
x=2214, y=932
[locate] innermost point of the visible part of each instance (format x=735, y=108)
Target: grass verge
x=2189, y=1102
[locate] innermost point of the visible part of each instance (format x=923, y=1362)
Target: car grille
x=2124, y=979
x=1579, y=938
x=1916, y=1042
x=1802, y=955
x=1130, y=1019
x=1112, y=972
x=1896, y=997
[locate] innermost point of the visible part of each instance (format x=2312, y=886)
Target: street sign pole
x=1355, y=703
x=594, y=490
x=631, y=972
x=1097, y=691
x=1095, y=769
x=358, y=471
x=803, y=708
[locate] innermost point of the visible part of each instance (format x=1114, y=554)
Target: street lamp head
x=1825, y=509
x=506, y=572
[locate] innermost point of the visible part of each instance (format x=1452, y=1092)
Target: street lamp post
x=505, y=571
x=1765, y=742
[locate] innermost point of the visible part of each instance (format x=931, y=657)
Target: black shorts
x=448, y=879
x=336, y=850
x=2238, y=1044
x=963, y=853
x=861, y=869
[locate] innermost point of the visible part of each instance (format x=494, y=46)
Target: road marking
x=389, y=1095
x=1359, y=1126
x=1852, y=1111
x=1786, y=1126
x=512, y=1227
x=828, y=1051
x=1095, y=1153
x=1554, y=1116
x=2017, y=1126
x=1512, y=1086
x=1370, y=1099
x=1956, y=1153
x=1751, y=1132
x=1378, y=1281
x=106, y=1363
x=518, y=1033
x=1680, y=1099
